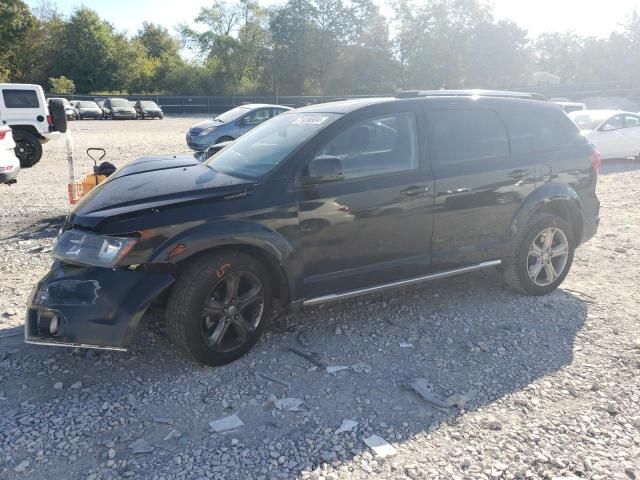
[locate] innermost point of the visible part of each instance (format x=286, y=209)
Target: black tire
x=58, y=114
x=28, y=148
x=224, y=139
x=193, y=329
x=518, y=267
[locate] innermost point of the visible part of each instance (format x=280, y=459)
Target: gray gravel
x=517, y=387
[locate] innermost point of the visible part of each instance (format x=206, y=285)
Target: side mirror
x=323, y=169
x=607, y=128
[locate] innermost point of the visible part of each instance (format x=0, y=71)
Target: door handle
x=414, y=190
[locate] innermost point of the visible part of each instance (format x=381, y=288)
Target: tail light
x=49, y=119
x=4, y=131
x=596, y=161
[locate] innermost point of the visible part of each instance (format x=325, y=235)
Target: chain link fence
x=207, y=105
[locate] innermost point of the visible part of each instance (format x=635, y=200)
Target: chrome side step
x=400, y=283
x=73, y=345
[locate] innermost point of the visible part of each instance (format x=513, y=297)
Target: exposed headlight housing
x=88, y=248
x=206, y=131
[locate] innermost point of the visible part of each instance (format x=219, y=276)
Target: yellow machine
x=79, y=188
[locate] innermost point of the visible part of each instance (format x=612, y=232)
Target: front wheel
x=28, y=148
x=219, y=307
x=543, y=256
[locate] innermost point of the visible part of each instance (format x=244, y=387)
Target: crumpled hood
x=198, y=127
x=152, y=183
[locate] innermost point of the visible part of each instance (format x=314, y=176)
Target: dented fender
x=95, y=307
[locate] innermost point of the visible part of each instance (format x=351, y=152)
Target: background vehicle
x=89, y=109
x=119, y=108
x=69, y=109
x=231, y=124
x=9, y=163
x=74, y=104
x=105, y=111
x=615, y=133
x=568, y=106
x=148, y=109
x=34, y=121
x=320, y=204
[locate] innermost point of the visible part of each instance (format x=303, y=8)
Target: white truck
x=34, y=121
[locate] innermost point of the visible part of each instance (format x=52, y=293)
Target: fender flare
x=550, y=197
x=271, y=245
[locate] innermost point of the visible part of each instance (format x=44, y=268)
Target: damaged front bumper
x=90, y=307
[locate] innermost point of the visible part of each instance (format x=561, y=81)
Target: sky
x=585, y=17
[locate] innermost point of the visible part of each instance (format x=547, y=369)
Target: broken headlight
x=88, y=248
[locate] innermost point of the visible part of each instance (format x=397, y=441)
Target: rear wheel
x=219, y=307
x=28, y=148
x=543, y=256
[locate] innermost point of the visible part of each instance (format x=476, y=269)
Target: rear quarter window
x=465, y=135
x=537, y=130
x=20, y=98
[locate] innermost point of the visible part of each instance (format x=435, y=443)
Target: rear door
x=479, y=184
x=631, y=132
x=610, y=138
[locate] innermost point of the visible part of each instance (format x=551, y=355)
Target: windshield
x=120, y=102
x=231, y=115
x=87, y=105
x=588, y=121
x=266, y=146
x=148, y=105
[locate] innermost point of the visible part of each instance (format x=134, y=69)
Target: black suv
x=318, y=204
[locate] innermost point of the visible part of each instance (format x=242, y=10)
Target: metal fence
x=192, y=105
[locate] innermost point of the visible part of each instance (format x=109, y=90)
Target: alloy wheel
x=548, y=256
x=232, y=311
x=24, y=150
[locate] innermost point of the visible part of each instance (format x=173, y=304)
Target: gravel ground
x=517, y=387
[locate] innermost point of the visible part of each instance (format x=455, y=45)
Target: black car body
x=148, y=109
x=319, y=204
x=89, y=109
x=119, y=108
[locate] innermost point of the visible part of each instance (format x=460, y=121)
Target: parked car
x=320, y=204
x=34, y=121
x=100, y=103
x=69, y=110
x=89, y=109
x=231, y=124
x=119, y=108
x=74, y=104
x=9, y=163
x=569, y=107
x=148, y=109
x=615, y=133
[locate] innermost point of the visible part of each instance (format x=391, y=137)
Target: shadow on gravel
x=619, y=165
x=41, y=229
x=465, y=336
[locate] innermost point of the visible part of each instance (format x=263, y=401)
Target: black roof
x=346, y=106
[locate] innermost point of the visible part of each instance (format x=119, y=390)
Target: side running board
x=399, y=283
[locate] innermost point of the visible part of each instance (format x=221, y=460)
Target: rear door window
x=20, y=98
x=467, y=135
x=536, y=130
x=631, y=121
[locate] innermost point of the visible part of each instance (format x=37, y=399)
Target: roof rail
x=469, y=93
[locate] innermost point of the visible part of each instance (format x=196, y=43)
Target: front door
x=373, y=226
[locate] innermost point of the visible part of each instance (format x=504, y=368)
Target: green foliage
x=304, y=47
x=62, y=85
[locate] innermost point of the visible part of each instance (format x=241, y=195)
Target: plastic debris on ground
x=380, y=446
x=347, y=426
x=226, y=423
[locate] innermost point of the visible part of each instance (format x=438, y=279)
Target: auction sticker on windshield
x=310, y=120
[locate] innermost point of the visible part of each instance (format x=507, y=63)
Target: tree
x=15, y=22
x=232, y=44
x=62, y=85
x=88, y=52
x=157, y=41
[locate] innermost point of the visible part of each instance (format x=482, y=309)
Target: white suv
x=9, y=163
x=23, y=107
